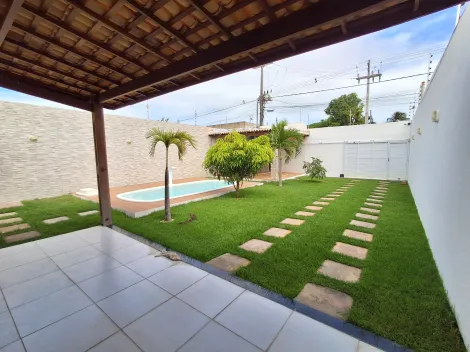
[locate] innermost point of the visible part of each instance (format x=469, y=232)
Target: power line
x=352, y=86
x=215, y=111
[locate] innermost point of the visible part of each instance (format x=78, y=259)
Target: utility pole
x=429, y=71
x=260, y=98
x=195, y=118
x=368, y=77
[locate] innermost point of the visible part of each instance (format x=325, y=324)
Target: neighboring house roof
x=259, y=130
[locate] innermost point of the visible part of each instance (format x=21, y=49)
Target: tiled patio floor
x=99, y=290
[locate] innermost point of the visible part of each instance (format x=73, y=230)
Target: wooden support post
x=101, y=164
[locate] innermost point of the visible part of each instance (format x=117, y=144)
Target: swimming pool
x=179, y=190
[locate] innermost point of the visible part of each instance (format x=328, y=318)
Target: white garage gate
x=376, y=160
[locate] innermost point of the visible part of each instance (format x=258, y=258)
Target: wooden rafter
x=267, y=10
x=198, y=5
x=7, y=21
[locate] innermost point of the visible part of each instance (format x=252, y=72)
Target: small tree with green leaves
x=285, y=140
x=235, y=159
x=314, y=169
x=182, y=140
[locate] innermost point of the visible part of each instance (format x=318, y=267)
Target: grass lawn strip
x=399, y=296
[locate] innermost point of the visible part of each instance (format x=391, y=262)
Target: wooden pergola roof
x=120, y=52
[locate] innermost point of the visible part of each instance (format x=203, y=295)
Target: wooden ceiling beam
x=107, y=23
x=56, y=71
x=199, y=6
x=81, y=55
x=12, y=9
x=43, y=15
x=66, y=63
x=267, y=10
x=161, y=24
x=37, y=89
x=282, y=29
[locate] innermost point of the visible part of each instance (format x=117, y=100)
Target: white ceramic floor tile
x=130, y=304
x=108, y=283
x=77, y=256
x=3, y=304
x=364, y=347
x=210, y=295
x=254, y=318
x=215, y=338
x=93, y=267
x=14, y=259
x=114, y=242
x=178, y=277
x=31, y=290
x=26, y=272
x=35, y=315
x=14, y=347
x=95, y=234
x=303, y=334
x=8, y=333
x=150, y=265
x=132, y=253
x=167, y=327
x=53, y=248
x=76, y=333
x=119, y=342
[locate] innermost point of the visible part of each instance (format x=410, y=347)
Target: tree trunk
x=237, y=189
x=167, y=191
x=279, y=171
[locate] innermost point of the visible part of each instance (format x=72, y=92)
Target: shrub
x=314, y=169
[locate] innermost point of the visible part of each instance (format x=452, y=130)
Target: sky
x=397, y=52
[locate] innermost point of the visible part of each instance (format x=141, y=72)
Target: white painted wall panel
x=440, y=168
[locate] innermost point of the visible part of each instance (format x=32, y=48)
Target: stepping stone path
x=358, y=235
x=85, y=213
x=10, y=221
x=293, y=222
x=373, y=204
x=54, y=220
x=367, y=216
x=5, y=215
x=329, y=199
x=313, y=207
x=333, y=195
x=229, y=262
x=304, y=213
x=374, y=200
x=370, y=210
x=326, y=300
x=350, y=250
x=367, y=225
x=376, y=197
x=277, y=232
x=320, y=203
x=257, y=246
x=22, y=236
x=340, y=271
x=14, y=228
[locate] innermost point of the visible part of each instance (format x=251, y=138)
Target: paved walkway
x=99, y=290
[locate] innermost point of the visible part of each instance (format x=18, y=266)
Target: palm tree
x=287, y=140
x=181, y=140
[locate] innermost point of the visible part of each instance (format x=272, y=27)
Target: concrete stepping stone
x=367, y=216
x=313, y=207
x=376, y=197
x=293, y=222
x=374, y=200
x=304, y=213
x=373, y=204
x=54, y=220
x=14, y=228
x=380, y=191
x=277, y=232
x=370, y=210
x=329, y=301
x=358, y=235
x=367, y=225
x=21, y=236
x=257, y=246
x=340, y=271
x=381, y=188
x=320, y=203
x=11, y=205
x=5, y=215
x=350, y=250
x=10, y=221
x=328, y=199
x=334, y=195
x=85, y=213
x=338, y=192
x=229, y=262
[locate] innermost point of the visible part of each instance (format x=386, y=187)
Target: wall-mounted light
x=129, y=142
x=435, y=116
x=33, y=138
x=413, y=137
x=419, y=131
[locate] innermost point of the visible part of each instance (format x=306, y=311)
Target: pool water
x=179, y=190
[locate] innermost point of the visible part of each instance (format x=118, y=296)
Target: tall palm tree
x=182, y=140
x=285, y=140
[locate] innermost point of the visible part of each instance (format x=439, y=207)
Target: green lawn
x=400, y=295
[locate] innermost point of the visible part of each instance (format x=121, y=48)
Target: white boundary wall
x=440, y=168
x=328, y=143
